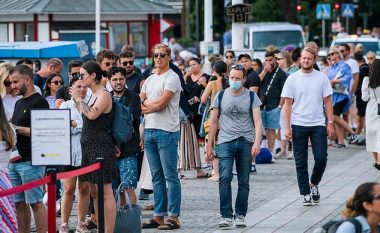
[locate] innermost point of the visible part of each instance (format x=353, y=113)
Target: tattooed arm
x=103, y=104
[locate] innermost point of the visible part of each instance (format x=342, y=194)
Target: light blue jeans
x=162, y=152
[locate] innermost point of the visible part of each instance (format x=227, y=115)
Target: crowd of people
x=288, y=101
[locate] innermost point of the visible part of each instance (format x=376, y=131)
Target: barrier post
x=51, y=200
x=100, y=174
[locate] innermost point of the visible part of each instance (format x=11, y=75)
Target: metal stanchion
x=52, y=191
x=100, y=174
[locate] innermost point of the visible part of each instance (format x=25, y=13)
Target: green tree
x=266, y=11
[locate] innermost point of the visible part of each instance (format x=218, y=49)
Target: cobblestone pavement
x=200, y=198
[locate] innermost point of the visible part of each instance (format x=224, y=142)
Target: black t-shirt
x=133, y=82
x=252, y=80
x=63, y=93
x=137, y=69
x=21, y=117
x=272, y=100
x=363, y=71
x=39, y=81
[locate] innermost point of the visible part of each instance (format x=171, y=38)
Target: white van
x=257, y=36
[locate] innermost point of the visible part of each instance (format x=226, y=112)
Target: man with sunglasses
x=160, y=96
x=134, y=80
x=129, y=48
x=236, y=111
x=63, y=93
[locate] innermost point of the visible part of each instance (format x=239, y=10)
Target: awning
x=58, y=49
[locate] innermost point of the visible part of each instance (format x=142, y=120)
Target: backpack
x=121, y=126
x=333, y=225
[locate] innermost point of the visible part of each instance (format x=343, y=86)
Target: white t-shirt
x=9, y=103
x=154, y=87
x=354, y=68
x=307, y=91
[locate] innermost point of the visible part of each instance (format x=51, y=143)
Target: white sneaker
x=226, y=223
x=307, y=200
x=290, y=156
x=240, y=221
x=64, y=228
x=280, y=155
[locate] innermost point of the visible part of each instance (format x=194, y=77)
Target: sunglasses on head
x=125, y=63
x=238, y=67
x=57, y=82
x=7, y=83
x=162, y=55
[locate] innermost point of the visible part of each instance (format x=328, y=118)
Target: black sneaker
x=315, y=196
x=253, y=169
x=277, y=150
x=143, y=195
x=307, y=200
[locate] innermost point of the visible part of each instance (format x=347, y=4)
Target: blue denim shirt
x=348, y=227
x=346, y=76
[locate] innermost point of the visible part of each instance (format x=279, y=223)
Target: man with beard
x=134, y=80
x=21, y=171
x=306, y=92
x=127, y=161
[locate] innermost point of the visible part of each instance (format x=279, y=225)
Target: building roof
x=83, y=7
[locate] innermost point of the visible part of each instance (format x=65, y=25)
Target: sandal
x=150, y=224
x=170, y=224
x=205, y=175
x=149, y=207
x=90, y=225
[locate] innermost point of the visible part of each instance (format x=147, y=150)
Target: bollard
x=52, y=189
x=100, y=174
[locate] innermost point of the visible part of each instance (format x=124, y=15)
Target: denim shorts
x=127, y=168
x=22, y=173
x=271, y=119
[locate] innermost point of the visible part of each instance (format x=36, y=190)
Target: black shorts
x=68, y=168
x=360, y=105
x=339, y=107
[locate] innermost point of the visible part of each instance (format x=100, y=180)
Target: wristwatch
x=17, y=129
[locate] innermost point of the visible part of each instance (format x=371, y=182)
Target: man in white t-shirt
x=306, y=92
x=160, y=95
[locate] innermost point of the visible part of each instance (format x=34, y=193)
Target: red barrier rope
x=78, y=172
x=47, y=179
x=26, y=186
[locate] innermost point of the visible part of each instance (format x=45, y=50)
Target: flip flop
x=170, y=224
x=206, y=175
x=150, y=224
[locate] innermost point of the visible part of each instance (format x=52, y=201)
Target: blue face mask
x=235, y=85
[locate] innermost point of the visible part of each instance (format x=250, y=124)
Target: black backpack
x=333, y=225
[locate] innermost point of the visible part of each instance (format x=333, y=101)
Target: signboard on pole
x=240, y=12
x=323, y=11
x=50, y=134
x=348, y=10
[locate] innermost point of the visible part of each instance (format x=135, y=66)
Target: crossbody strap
x=271, y=81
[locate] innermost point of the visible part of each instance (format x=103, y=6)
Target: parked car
x=370, y=43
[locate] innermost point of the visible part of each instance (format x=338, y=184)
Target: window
x=118, y=36
x=280, y=39
x=4, y=32
x=138, y=37
x=22, y=29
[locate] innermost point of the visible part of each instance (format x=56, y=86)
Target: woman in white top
x=53, y=83
x=371, y=93
x=76, y=153
x=9, y=96
x=7, y=204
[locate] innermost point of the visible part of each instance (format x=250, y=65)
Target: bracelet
x=330, y=122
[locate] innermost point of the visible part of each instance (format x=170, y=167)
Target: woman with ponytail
x=7, y=204
x=364, y=206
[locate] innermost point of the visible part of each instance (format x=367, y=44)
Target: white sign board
x=51, y=137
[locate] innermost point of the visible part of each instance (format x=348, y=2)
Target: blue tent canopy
x=43, y=50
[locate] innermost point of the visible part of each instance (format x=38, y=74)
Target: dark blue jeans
x=318, y=138
x=239, y=150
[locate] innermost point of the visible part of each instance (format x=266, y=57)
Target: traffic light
x=299, y=8
x=337, y=6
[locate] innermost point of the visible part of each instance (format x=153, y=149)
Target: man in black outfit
x=252, y=78
x=63, y=92
x=272, y=81
x=134, y=80
x=21, y=170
